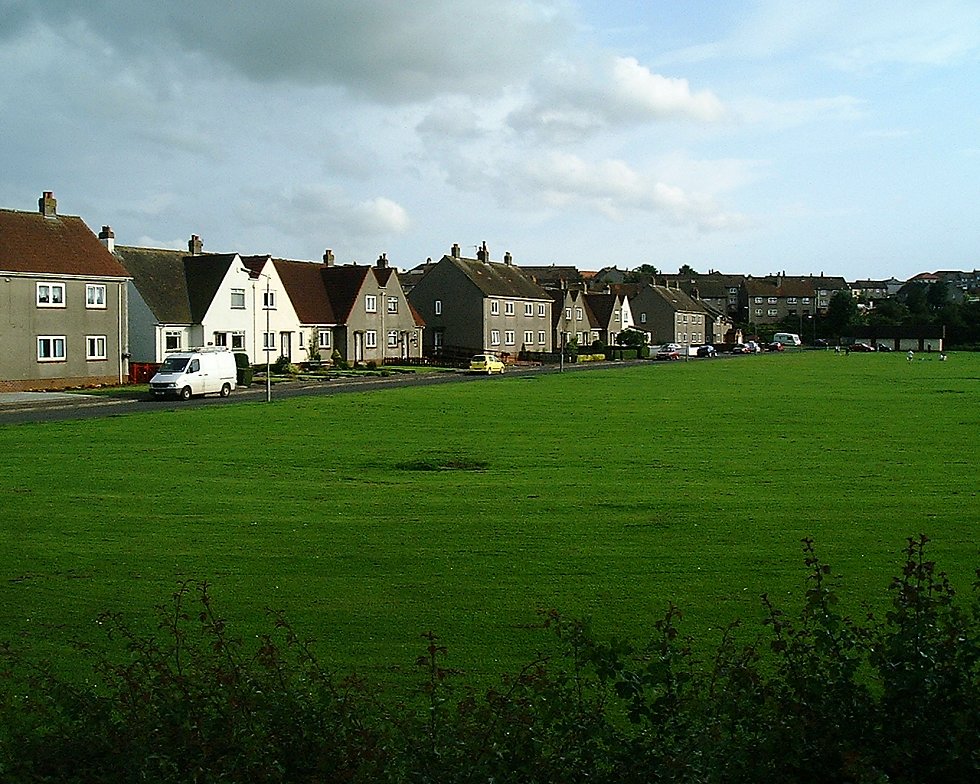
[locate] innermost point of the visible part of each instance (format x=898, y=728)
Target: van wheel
x=225, y=390
x=185, y=393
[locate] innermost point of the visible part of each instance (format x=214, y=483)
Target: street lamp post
x=265, y=338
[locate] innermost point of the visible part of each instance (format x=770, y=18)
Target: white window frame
x=568, y=313
x=528, y=337
x=758, y=300
x=99, y=290
x=758, y=311
x=508, y=308
x=48, y=348
x=392, y=304
x=392, y=338
x=268, y=300
x=178, y=338
x=494, y=337
x=438, y=307
x=235, y=294
x=542, y=338
x=529, y=309
x=221, y=339
x=772, y=300
x=370, y=339
x=542, y=310
x=509, y=337
x=323, y=338
x=96, y=347
x=237, y=341
x=49, y=290
x=578, y=314
x=773, y=312
x=269, y=341
x=370, y=303
x=494, y=307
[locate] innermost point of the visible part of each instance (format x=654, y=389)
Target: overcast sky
x=753, y=137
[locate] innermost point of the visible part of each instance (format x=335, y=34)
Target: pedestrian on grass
x=911, y=355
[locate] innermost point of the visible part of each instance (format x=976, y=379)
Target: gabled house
x=669, y=315
x=474, y=305
x=573, y=320
x=771, y=299
x=185, y=299
x=63, y=303
x=611, y=312
x=361, y=312
x=717, y=289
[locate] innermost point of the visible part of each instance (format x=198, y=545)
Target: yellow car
x=486, y=363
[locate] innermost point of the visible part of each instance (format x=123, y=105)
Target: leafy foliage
x=818, y=697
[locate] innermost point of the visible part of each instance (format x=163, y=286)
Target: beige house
x=63, y=303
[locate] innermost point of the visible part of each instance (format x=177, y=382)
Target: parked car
x=753, y=346
x=486, y=363
x=741, y=348
x=775, y=347
x=667, y=353
x=883, y=347
x=202, y=371
x=861, y=347
x=707, y=351
x=821, y=343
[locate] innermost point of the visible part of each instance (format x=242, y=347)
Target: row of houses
x=76, y=309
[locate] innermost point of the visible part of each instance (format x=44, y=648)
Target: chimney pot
x=483, y=254
x=455, y=250
x=194, y=245
x=508, y=259
x=48, y=205
x=328, y=258
x=382, y=261
x=108, y=238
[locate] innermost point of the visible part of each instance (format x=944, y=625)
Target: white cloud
x=574, y=100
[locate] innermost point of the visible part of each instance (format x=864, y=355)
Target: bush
x=819, y=697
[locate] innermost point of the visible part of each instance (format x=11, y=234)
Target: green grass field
x=607, y=493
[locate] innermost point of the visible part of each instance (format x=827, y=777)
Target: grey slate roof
x=496, y=279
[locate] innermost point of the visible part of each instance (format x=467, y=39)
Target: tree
x=687, y=269
x=645, y=273
x=631, y=337
x=842, y=313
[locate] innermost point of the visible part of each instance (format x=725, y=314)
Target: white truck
x=199, y=371
x=787, y=339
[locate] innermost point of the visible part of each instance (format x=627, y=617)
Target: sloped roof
x=496, y=279
x=54, y=245
x=553, y=274
x=160, y=278
x=307, y=290
x=177, y=287
x=343, y=284
x=677, y=299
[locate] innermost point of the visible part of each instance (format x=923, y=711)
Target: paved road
x=18, y=407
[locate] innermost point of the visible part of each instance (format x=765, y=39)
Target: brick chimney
x=508, y=259
x=483, y=254
x=194, y=245
x=328, y=258
x=455, y=251
x=47, y=205
x=108, y=238
x=382, y=262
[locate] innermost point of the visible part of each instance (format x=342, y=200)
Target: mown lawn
x=374, y=517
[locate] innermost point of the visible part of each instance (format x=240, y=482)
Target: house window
x=370, y=303
x=323, y=337
x=772, y=300
x=238, y=299
x=393, y=338
x=50, y=295
x=494, y=308
x=758, y=311
x=509, y=337
x=791, y=301
x=528, y=308
x=221, y=339
x=302, y=339
x=392, y=304
x=95, y=347
x=508, y=308
x=758, y=300
x=643, y=317
x=773, y=312
x=171, y=341
x=94, y=295
x=541, y=338
x=568, y=313
x=578, y=313
x=269, y=300
x=438, y=307
x=51, y=348
x=268, y=341
x=238, y=341
x=528, y=338
x=370, y=339
x=806, y=300
x=542, y=311
x=494, y=337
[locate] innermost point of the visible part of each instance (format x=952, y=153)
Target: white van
x=787, y=339
x=197, y=372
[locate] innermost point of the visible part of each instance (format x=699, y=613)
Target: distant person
x=942, y=356
x=911, y=355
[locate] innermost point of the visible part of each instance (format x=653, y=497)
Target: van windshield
x=173, y=365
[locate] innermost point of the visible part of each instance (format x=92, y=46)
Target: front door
x=286, y=345
x=358, y=346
